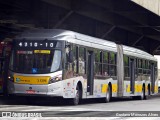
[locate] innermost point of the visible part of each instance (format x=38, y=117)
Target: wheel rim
x=108, y=95
x=142, y=96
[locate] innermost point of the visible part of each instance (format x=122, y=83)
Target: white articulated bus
x=62, y=63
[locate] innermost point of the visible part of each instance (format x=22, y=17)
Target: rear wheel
x=142, y=97
x=147, y=96
x=108, y=95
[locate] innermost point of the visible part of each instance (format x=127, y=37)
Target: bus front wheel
x=76, y=99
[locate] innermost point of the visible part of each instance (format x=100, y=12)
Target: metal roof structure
x=121, y=21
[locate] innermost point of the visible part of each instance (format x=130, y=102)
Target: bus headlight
x=55, y=79
x=11, y=78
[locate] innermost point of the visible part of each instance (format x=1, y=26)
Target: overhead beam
x=108, y=4
x=8, y=21
x=109, y=21
x=135, y=42
x=156, y=52
x=123, y=8
x=105, y=17
x=94, y=10
x=61, y=3
x=139, y=17
x=130, y=11
x=63, y=19
x=140, y=47
x=154, y=46
x=113, y=27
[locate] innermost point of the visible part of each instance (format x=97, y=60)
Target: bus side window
x=81, y=59
x=139, y=66
x=156, y=70
x=105, y=64
x=144, y=66
x=126, y=66
x=74, y=64
x=149, y=69
x=98, y=62
x=112, y=64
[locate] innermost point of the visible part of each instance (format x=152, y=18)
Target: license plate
x=30, y=91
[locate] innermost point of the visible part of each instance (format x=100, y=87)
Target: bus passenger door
x=90, y=72
x=152, y=77
x=132, y=75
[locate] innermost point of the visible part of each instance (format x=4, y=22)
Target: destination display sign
x=35, y=51
x=37, y=44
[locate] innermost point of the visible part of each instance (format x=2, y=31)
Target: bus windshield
x=35, y=61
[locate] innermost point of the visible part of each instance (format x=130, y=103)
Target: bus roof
x=85, y=40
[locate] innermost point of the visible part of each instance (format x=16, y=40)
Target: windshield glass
x=35, y=61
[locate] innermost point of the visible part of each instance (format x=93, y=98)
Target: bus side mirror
x=70, y=56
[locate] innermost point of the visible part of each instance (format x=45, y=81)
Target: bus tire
x=142, y=97
x=76, y=99
x=108, y=95
x=147, y=96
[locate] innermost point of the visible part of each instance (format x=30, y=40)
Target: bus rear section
x=140, y=73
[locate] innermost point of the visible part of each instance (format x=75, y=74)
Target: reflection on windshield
x=36, y=61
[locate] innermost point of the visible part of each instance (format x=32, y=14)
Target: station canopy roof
x=121, y=21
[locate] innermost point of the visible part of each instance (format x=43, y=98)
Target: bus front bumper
x=57, y=89
x=54, y=89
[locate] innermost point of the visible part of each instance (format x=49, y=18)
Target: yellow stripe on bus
x=104, y=88
x=156, y=89
x=39, y=80
x=138, y=87
x=114, y=88
x=127, y=88
x=146, y=88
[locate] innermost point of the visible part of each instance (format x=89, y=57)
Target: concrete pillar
x=152, y=5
